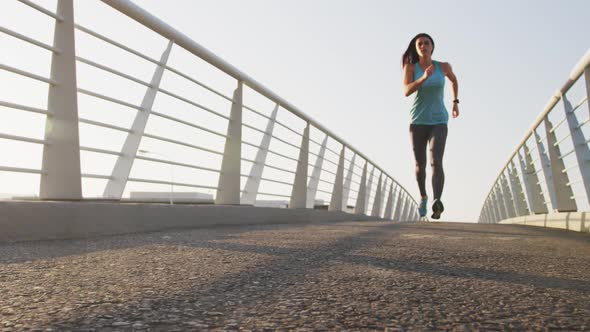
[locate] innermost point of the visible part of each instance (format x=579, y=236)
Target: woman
x=429, y=116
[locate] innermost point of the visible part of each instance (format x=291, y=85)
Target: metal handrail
x=152, y=22
x=63, y=88
x=575, y=74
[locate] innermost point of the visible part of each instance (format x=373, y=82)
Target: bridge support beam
x=116, y=185
x=535, y=195
x=359, y=208
x=587, y=80
x=253, y=181
x=579, y=142
x=563, y=192
x=517, y=191
x=336, y=199
x=228, y=190
x=503, y=212
x=546, y=167
x=314, y=180
x=389, y=204
x=299, y=191
x=369, y=188
x=61, y=175
x=347, y=183
x=508, y=200
x=404, y=215
x=376, y=212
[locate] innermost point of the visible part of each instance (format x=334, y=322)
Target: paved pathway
x=337, y=276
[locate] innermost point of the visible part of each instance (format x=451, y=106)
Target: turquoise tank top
x=428, y=107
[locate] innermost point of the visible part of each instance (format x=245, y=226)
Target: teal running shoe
x=422, y=209
x=437, y=209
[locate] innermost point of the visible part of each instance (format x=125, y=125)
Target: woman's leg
x=438, y=139
x=419, y=135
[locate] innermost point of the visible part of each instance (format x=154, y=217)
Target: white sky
x=339, y=62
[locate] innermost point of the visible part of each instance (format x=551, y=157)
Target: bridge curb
x=46, y=220
x=573, y=221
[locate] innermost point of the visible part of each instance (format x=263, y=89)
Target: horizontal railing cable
x=103, y=151
x=27, y=74
x=20, y=170
x=107, y=98
x=175, y=163
x=181, y=184
x=104, y=125
x=190, y=124
x=169, y=140
x=575, y=74
x=29, y=40
x=42, y=10
x=24, y=108
x=23, y=139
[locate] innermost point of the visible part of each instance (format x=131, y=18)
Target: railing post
x=116, y=185
x=336, y=199
x=61, y=176
x=563, y=192
x=490, y=213
x=500, y=202
x=494, y=207
x=299, y=191
x=359, y=208
x=531, y=180
x=314, y=180
x=376, y=212
x=508, y=200
x=402, y=204
x=347, y=183
x=546, y=167
x=389, y=204
x=228, y=190
x=485, y=217
x=404, y=213
x=587, y=81
x=493, y=213
x=253, y=181
x=383, y=193
x=579, y=142
x=368, y=193
x=398, y=205
x=517, y=191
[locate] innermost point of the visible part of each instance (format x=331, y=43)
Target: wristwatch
x=456, y=101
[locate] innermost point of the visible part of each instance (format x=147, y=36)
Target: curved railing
x=546, y=180
x=109, y=131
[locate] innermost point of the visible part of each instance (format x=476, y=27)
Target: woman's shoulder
x=444, y=66
x=409, y=65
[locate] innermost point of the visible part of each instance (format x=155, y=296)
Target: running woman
x=428, y=127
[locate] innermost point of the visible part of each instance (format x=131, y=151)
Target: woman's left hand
x=455, y=110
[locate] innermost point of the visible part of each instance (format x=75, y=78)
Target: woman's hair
x=411, y=55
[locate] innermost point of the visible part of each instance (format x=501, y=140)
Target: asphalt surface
x=357, y=276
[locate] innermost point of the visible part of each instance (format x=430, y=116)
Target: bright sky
x=339, y=62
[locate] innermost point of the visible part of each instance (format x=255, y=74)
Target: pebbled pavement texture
x=357, y=276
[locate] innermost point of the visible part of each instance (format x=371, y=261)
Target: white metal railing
x=293, y=157
x=557, y=152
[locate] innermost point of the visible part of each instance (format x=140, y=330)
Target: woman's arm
x=448, y=71
x=410, y=86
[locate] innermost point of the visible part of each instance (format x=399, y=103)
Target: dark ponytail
x=411, y=54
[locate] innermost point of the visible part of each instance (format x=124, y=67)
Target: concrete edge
x=573, y=221
x=45, y=220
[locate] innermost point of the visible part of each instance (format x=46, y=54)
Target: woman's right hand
x=428, y=72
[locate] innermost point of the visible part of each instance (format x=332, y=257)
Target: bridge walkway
x=345, y=275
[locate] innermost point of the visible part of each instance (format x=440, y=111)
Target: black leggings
x=436, y=137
